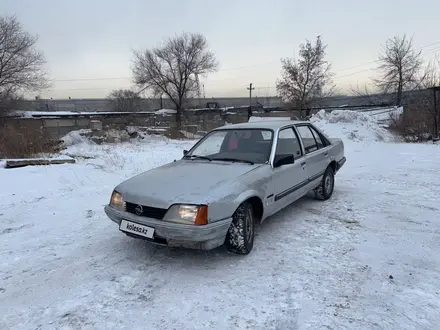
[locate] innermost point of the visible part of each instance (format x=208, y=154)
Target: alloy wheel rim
x=328, y=184
x=249, y=225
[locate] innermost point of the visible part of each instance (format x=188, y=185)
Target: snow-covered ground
x=369, y=258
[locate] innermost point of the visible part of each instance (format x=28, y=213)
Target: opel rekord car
x=231, y=180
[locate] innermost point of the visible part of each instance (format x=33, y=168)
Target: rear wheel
x=240, y=236
x=325, y=189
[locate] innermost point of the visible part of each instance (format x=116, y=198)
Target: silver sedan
x=229, y=181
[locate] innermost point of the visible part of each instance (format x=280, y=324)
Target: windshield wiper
x=235, y=160
x=198, y=157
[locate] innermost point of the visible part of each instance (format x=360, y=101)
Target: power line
x=377, y=61
x=84, y=89
x=89, y=79
x=371, y=62
x=235, y=68
x=125, y=78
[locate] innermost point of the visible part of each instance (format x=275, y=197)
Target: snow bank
x=384, y=113
x=76, y=137
x=385, y=116
x=352, y=125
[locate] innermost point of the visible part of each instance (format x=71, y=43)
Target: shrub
x=415, y=125
x=24, y=143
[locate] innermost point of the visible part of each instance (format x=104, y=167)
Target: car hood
x=183, y=181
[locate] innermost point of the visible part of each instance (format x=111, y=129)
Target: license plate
x=135, y=228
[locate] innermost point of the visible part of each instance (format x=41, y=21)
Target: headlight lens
x=117, y=201
x=187, y=214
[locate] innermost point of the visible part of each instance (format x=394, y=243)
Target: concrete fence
x=146, y=104
x=193, y=121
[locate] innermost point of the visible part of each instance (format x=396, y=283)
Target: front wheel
x=325, y=189
x=240, y=236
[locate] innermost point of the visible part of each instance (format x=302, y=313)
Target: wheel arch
x=257, y=207
x=253, y=198
x=334, y=166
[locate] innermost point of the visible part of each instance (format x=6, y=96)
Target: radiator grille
x=148, y=211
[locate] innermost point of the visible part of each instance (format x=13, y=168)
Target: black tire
x=325, y=189
x=241, y=233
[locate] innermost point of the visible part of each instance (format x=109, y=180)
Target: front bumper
x=204, y=237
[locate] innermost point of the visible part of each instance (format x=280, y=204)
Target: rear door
x=288, y=181
x=316, y=154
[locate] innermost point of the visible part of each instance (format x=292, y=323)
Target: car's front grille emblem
x=139, y=210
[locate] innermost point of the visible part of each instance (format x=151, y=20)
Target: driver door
x=289, y=182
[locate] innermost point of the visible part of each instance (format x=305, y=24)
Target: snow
x=158, y=129
x=42, y=157
x=257, y=118
x=385, y=116
x=190, y=135
x=385, y=113
x=31, y=114
x=351, y=125
x=166, y=111
x=75, y=137
x=366, y=259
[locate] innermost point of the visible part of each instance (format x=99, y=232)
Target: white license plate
x=135, y=228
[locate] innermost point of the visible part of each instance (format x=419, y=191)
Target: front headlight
x=187, y=214
x=117, y=201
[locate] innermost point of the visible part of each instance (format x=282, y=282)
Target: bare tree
x=124, y=100
x=431, y=75
x=306, y=79
x=431, y=81
x=21, y=64
x=420, y=120
x=172, y=69
x=399, y=67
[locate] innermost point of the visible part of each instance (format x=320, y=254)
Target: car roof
x=264, y=124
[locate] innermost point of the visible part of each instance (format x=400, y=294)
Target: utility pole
x=436, y=118
x=250, y=88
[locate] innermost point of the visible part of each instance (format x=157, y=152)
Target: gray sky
x=94, y=38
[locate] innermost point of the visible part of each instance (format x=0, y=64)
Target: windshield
x=246, y=145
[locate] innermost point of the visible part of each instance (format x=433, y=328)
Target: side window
x=307, y=138
x=288, y=143
x=319, y=141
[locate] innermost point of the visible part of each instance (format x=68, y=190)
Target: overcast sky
x=94, y=39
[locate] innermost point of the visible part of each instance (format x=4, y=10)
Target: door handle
x=326, y=154
x=303, y=164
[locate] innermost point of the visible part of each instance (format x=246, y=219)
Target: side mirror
x=185, y=152
x=281, y=160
